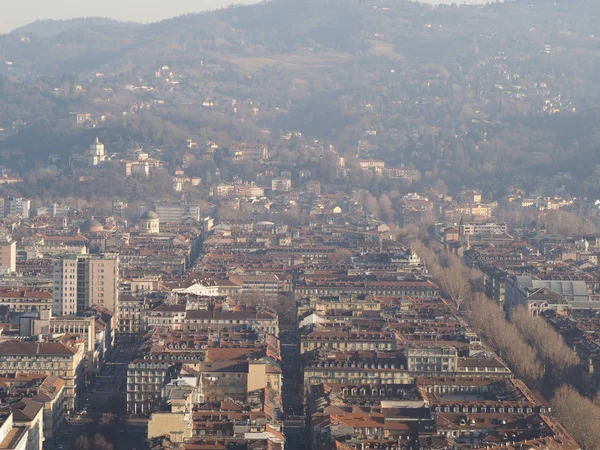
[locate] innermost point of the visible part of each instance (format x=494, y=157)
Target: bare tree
x=370, y=205
x=100, y=443
x=485, y=315
x=82, y=443
x=579, y=415
x=550, y=346
x=490, y=321
x=454, y=280
x=387, y=208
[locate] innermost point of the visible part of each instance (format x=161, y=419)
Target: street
x=102, y=407
x=294, y=425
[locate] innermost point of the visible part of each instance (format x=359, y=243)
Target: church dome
x=149, y=222
x=91, y=226
x=149, y=215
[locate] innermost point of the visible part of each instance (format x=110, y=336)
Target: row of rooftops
x=461, y=389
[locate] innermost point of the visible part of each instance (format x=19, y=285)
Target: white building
x=16, y=206
x=281, y=185
x=177, y=212
x=12, y=437
x=200, y=289
x=471, y=229
x=96, y=153
x=149, y=223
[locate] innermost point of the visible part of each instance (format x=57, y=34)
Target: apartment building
x=81, y=281
x=119, y=209
x=133, y=312
x=471, y=229
x=249, y=152
x=265, y=285
x=52, y=394
x=8, y=255
x=29, y=414
x=357, y=367
x=421, y=289
x=22, y=299
x=313, y=187
x=281, y=185
x=373, y=165
x=248, y=190
x=177, y=317
x=50, y=358
x=48, y=391
x=145, y=380
x=408, y=173
x=342, y=340
x=436, y=358
x=15, y=206
x=235, y=379
x=177, y=212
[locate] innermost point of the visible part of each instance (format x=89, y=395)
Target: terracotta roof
x=25, y=410
x=66, y=239
x=12, y=348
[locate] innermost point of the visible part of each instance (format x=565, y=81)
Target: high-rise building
x=81, y=281
x=8, y=255
x=15, y=206
x=119, y=209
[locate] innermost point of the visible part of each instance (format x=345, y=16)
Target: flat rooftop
x=13, y=438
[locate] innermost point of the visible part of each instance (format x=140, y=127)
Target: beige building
x=47, y=390
x=176, y=425
x=133, y=314
x=52, y=394
x=424, y=359
x=8, y=255
x=337, y=369
x=81, y=281
x=222, y=380
x=84, y=328
x=146, y=283
x=29, y=413
x=21, y=299
x=50, y=358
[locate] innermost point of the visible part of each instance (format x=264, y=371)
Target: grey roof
x=149, y=215
x=90, y=224
x=572, y=290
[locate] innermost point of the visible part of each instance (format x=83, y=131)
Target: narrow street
x=102, y=408
x=294, y=424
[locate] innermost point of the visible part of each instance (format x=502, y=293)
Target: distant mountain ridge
x=49, y=28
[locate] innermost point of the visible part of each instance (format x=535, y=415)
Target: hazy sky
x=15, y=13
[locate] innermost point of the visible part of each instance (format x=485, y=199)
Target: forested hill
x=281, y=26
x=52, y=28
x=470, y=93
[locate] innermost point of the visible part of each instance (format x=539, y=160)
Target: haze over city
x=27, y=11
x=299, y=225
x=24, y=12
